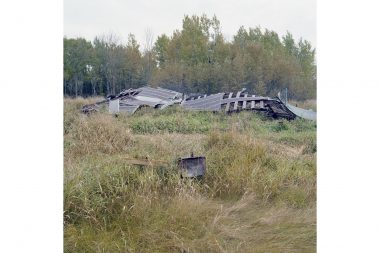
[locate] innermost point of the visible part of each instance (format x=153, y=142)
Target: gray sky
x=89, y=18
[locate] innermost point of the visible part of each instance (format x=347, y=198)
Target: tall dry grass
x=258, y=194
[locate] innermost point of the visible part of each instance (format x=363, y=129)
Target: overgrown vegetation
x=259, y=193
x=194, y=59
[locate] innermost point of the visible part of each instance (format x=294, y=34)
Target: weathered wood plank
x=237, y=100
x=233, y=100
x=261, y=104
x=228, y=104
x=245, y=102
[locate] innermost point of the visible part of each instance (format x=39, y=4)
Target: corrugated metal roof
x=160, y=93
x=302, y=113
x=130, y=100
x=128, y=108
x=206, y=103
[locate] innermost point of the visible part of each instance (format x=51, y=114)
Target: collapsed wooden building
x=130, y=100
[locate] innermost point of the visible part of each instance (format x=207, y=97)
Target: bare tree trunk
x=108, y=87
x=76, y=86
x=93, y=83
x=149, y=66
x=113, y=86
x=64, y=87
x=148, y=50
x=81, y=88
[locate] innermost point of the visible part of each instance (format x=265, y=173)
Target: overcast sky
x=89, y=18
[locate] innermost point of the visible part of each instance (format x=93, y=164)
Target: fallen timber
x=130, y=100
x=188, y=167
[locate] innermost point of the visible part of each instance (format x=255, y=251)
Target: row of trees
x=195, y=59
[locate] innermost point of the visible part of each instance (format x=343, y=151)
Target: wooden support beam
x=237, y=100
x=245, y=102
x=228, y=104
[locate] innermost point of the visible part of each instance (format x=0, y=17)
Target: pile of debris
x=130, y=100
x=230, y=102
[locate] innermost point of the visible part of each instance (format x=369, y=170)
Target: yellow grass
x=258, y=194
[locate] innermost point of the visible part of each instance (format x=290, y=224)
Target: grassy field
x=259, y=194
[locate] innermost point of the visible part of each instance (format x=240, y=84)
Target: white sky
x=89, y=18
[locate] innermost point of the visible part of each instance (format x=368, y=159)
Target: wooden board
x=228, y=103
x=237, y=101
x=245, y=101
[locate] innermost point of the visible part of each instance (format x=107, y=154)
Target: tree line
x=195, y=59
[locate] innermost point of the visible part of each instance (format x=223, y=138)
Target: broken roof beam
x=228, y=103
x=245, y=101
x=237, y=101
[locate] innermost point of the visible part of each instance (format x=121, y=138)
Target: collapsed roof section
x=131, y=99
x=302, y=113
x=234, y=102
